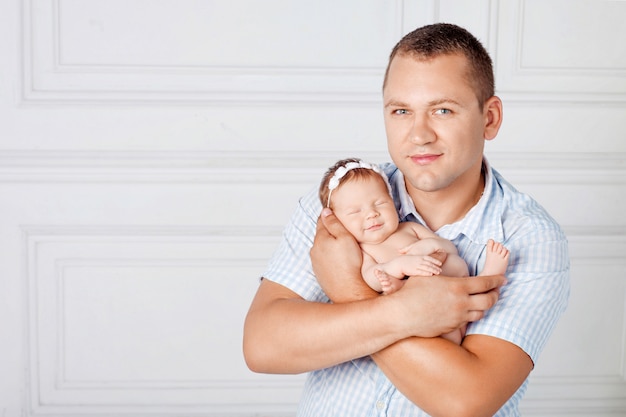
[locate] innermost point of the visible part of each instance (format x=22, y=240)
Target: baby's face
x=366, y=209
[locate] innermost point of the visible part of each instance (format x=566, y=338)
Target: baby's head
x=347, y=170
x=360, y=196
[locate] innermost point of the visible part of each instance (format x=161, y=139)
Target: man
x=381, y=355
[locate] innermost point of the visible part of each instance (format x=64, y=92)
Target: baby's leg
x=454, y=266
x=497, y=259
x=388, y=283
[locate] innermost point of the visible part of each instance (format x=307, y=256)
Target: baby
x=360, y=196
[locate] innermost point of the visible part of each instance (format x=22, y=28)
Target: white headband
x=343, y=170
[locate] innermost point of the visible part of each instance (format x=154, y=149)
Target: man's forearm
x=285, y=334
x=444, y=379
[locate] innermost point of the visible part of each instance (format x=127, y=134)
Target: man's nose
x=422, y=132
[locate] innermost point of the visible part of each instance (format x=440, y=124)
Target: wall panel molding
x=567, y=397
x=143, y=287
x=60, y=67
x=561, y=168
x=548, y=63
x=278, y=167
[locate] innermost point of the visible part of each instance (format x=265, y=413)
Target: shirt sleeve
x=290, y=264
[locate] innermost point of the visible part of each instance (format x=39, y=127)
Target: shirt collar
x=481, y=223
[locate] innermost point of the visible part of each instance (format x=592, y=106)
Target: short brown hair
x=431, y=41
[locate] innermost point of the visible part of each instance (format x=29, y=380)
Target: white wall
x=151, y=151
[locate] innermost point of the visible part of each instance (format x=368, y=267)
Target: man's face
x=366, y=209
x=435, y=127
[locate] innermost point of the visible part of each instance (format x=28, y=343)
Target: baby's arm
x=403, y=266
x=411, y=265
x=429, y=245
x=427, y=241
x=397, y=269
x=368, y=270
x=443, y=249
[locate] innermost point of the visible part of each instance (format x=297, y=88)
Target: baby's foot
x=497, y=259
x=388, y=284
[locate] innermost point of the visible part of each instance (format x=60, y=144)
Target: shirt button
x=380, y=405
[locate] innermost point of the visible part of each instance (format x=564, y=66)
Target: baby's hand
x=422, y=265
x=417, y=249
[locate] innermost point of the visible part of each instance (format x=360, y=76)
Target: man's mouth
x=424, y=159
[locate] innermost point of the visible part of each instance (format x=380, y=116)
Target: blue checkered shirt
x=529, y=306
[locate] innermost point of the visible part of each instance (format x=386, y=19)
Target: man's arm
x=473, y=379
x=444, y=379
x=285, y=334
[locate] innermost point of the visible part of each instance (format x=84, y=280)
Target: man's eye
x=400, y=111
x=443, y=111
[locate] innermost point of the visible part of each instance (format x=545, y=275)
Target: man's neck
x=448, y=206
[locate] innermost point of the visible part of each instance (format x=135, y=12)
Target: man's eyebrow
x=395, y=103
x=432, y=103
x=445, y=100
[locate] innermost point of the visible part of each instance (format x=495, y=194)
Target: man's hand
x=432, y=306
x=337, y=258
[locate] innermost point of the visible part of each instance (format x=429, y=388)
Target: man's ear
x=492, y=111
